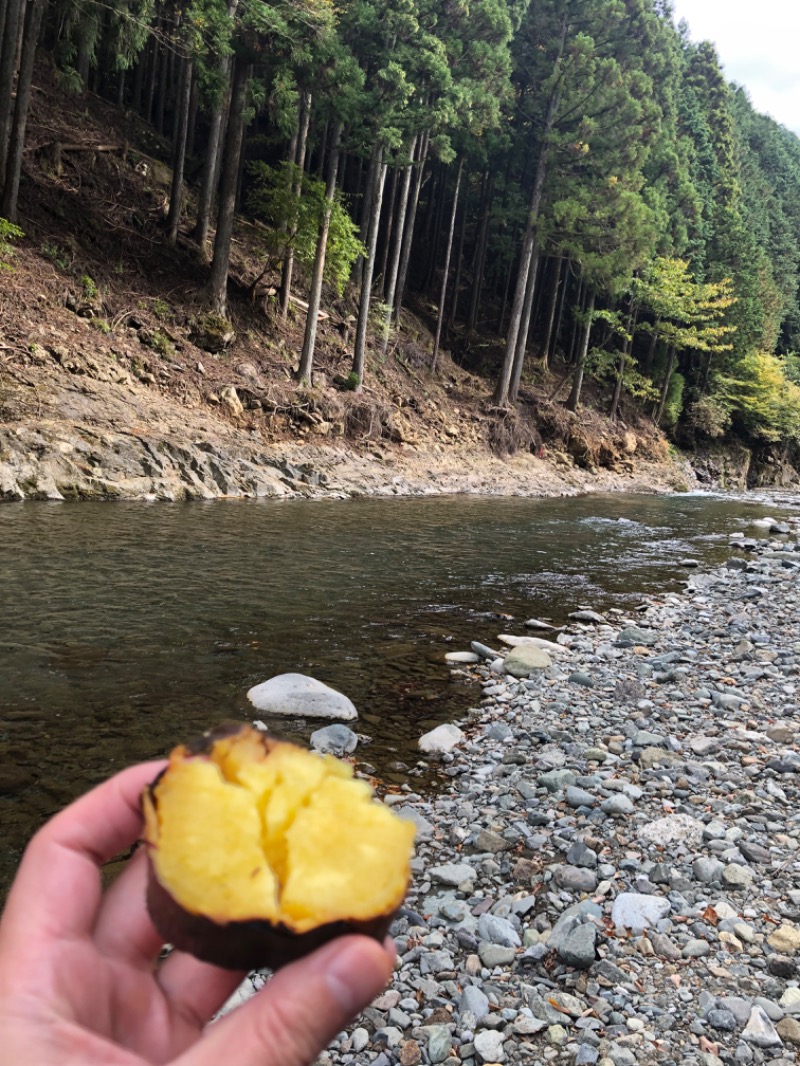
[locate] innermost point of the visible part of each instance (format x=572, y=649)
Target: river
x=125, y=628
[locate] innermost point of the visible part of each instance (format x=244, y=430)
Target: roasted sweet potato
x=261, y=851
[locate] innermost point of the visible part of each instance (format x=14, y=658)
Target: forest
x=568, y=191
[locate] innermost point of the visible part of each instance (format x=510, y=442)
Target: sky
x=758, y=45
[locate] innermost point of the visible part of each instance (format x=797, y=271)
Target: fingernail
x=356, y=973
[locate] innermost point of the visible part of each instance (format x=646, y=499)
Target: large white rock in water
x=522, y=661
x=441, y=739
x=302, y=696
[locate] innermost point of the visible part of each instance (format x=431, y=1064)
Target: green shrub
x=295, y=221
x=8, y=233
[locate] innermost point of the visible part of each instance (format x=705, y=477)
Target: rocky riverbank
x=71, y=461
x=81, y=419
x=614, y=875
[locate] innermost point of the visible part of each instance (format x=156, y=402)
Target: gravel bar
x=613, y=875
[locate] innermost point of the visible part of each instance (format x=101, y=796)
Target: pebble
x=632, y=910
x=489, y=1045
x=785, y=940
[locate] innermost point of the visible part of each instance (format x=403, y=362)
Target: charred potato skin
x=245, y=945
x=238, y=945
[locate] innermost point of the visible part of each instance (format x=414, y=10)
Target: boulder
x=302, y=696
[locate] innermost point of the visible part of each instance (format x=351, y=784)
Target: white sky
x=758, y=45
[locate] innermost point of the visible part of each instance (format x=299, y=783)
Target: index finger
x=57, y=889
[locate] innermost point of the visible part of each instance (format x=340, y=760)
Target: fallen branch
x=58, y=148
x=560, y=386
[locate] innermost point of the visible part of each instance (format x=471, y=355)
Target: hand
x=80, y=982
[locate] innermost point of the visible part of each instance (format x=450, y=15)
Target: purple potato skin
x=254, y=944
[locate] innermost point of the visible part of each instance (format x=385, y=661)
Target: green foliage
x=603, y=365
x=58, y=255
x=710, y=416
x=8, y=233
x=349, y=383
x=688, y=314
x=761, y=399
x=89, y=286
x=161, y=343
x=791, y=367
x=674, y=403
x=69, y=81
x=294, y=220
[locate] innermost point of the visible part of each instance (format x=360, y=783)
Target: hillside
x=108, y=388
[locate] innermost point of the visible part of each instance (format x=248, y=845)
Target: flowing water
x=126, y=628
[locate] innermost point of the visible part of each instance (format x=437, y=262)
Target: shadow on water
x=126, y=628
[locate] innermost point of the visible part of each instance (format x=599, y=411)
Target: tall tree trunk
x=522, y=336
x=433, y=203
x=580, y=301
x=300, y=161
x=462, y=234
x=365, y=190
x=391, y=207
x=446, y=272
x=30, y=39
x=369, y=267
x=506, y=289
x=577, y=377
x=558, y=264
x=390, y=287
x=83, y=57
x=218, y=280
x=305, y=370
x=212, y=159
x=630, y=326
x=8, y=69
x=138, y=83
x=210, y=175
x=526, y=258
x=179, y=158
x=562, y=303
x=163, y=86
x=408, y=235
x=433, y=249
x=3, y=10
x=480, y=258
x=662, y=402
x=194, y=106
x=649, y=359
x=152, y=75
x=323, y=144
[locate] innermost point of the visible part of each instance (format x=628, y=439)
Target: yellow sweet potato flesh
x=258, y=829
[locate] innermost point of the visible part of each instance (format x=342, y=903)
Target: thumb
x=300, y=1011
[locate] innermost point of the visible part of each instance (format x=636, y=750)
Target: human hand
x=80, y=981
